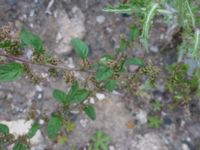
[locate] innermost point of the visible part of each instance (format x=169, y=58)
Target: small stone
x=39, y=96
x=154, y=49
x=92, y=101
x=167, y=120
x=41, y=121
x=185, y=147
x=133, y=68
x=84, y=122
x=100, y=96
x=39, y=88
x=141, y=116
x=32, y=13
x=111, y=148
x=100, y=19
x=29, y=53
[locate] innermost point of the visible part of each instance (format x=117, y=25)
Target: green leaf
x=79, y=96
x=29, y=38
x=20, y=146
x=110, y=85
x=80, y=47
x=33, y=130
x=10, y=72
x=4, y=129
x=103, y=73
x=123, y=45
x=60, y=96
x=90, y=112
x=5, y=44
x=100, y=140
x=135, y=61
x=133, y=33
x=53, y=126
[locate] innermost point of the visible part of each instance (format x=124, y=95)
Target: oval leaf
x=53, y=126
x=29, y=38
x=60, y=96
x=4, y=129
x=20, y=146
x=90, y=112
x=135, y=61
x=110, y=85
x=10, y=72
x=79, y=96
x=33, y=130
x=103, y=73
x=80, y=47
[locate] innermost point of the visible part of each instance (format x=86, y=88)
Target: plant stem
x=25, y=61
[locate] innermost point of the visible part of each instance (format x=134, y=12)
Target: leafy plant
x=99, y=141
x=154, y=121
x=109, y=72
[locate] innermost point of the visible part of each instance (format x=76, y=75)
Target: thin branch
x=25, y=61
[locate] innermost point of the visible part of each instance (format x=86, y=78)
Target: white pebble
x=185, y=147
x=111, y=148
x=92, y=101
x=38, y=88
x=41, y=122
x=100, y=96
x=142, y=117
x=84, y=122
x=100, y=19
x=39, y=96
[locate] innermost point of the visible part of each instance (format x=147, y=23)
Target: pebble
x=38, y=88
x=29, y=53
x=154, y=49
x=133, y=68
x=41, y=121
x=92, y=101
x=100, y=96
x=111, y=148
x=185, y=147
x=142, y=116
x=84, y=122
x=100, y=19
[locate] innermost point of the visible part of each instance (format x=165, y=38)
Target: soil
x=122, y=116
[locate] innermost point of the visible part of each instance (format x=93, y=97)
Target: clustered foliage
x=108, y=73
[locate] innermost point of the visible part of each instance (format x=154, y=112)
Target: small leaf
x=123, y=45
x=135, y=61
x=33, y=130
x=29, y=38
x=4, y=129
x=79, y=96
x=133, y=33
x=60, y=96
x=110, y=85
x=53, y=126
x=20, y=146
x=80, y=47
x=10, y=72
x=90, y=112
x=103, y=73
x=100, y=140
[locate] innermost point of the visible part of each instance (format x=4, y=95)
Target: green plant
x=99, y=141
x=154, y=121
x=103, y=75
x=109, y=72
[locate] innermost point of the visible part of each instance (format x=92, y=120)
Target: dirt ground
x=57, y=24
